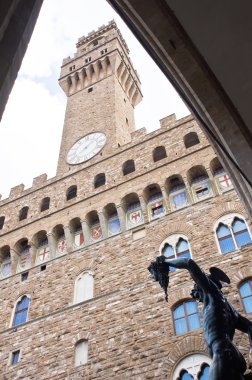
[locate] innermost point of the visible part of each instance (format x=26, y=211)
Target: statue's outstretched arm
x=245, y=325
x=197, y=274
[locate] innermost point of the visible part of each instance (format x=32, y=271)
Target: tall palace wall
x=112, y=232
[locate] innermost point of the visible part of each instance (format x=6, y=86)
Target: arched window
x=60, y=240
x=43, y=250
x=225, y=239
x=2, y=219
x=23, y=213
x=71, y=192
x=45, y=204
x=175, y=246
x=222, y=179
x=154, y=198
x=200, y=183
x=186, y=317
x=128, y=167
x=203, y=375
x=182, y=249
x=159, y=153
x=177, y=192
x=232, y=233
x=77, y=233
x=112, y=219
x=133, y=211
x=24, y=258
x=100, y=180
x=81, y=352
x=191, y=139
x=5, y=261
x=241, y=234
x=21, y=311
x=195, y=366
x=94, y=225
x=84, y=287
x=185, y=375
x=246, y=295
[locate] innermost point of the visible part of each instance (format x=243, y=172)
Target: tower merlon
x=39, y=180
x=16, y=191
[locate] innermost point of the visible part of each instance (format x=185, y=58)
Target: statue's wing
x=219, y=275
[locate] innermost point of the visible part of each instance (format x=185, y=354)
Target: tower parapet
x=100, y=54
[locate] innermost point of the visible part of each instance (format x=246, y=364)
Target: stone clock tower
x=102, y=89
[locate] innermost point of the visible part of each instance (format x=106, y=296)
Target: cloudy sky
x=31, y=127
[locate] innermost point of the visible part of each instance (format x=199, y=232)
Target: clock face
x=86, y=148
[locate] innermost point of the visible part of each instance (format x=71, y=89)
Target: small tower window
x=23, y=213
x=45, y=204
x=71, y=192
x=87, y=59
x=159, y=153
x=100, y=180
x=90, y=89
x=2, y=219
x=24, y=276
x=104, y=51
x=81, y=352
x=191, y=139
x=15, y=357
x=84, y=287
x=128, y=167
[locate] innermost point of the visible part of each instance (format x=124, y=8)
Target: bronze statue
x=220, y=318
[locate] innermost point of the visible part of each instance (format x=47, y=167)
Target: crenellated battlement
x=99, y=32
x=140, y=136
x=16, y=191
x=39, y=180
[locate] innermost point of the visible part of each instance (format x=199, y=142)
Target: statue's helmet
x=218, y=276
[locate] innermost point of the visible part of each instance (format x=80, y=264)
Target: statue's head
x=197, y=293
x=160, y=272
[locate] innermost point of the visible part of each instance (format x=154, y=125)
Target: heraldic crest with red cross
x=43, y=254
x=224, y=182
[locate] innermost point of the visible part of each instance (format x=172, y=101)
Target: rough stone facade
x=128, y=325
